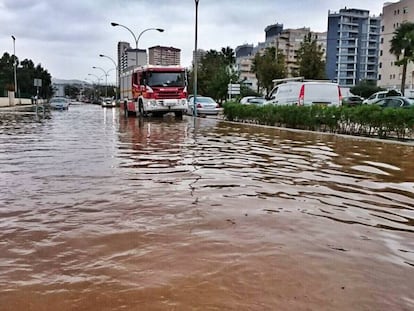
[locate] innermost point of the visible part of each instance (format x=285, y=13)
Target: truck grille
x=167, y=94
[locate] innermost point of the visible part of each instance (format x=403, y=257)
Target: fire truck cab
x=154, y=90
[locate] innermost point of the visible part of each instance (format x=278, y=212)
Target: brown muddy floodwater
x=100, y=212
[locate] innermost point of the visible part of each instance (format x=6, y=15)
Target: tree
x=365, y=88
x=26, y=73
x=215, y=72
x=6, y=74
x=310, y=59
x=402, y=46
x=269, y=66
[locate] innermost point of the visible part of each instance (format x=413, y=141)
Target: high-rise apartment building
x=393, y=15
x=130, y=56
x=244, y=63
x=198, y=56
x=352, y=46
x=289, y=41
x=162, y=55
x=122, y=47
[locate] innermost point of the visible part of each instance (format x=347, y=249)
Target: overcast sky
x=67, y=36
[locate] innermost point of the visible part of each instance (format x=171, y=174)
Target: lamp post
x=15, y=65
x=97, y=79
x=195, y=59
x=116, y=73
x=136, y=39
x=106, y=79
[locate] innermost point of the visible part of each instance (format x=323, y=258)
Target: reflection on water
x=102, y=212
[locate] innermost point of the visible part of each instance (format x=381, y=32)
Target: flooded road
x=100, y=212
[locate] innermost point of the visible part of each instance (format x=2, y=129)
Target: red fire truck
x=154, y=90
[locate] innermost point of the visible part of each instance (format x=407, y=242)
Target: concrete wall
x=4, y=101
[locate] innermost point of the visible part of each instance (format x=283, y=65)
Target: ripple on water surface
x=175, y=214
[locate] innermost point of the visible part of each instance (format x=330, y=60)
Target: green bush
x=365, y=120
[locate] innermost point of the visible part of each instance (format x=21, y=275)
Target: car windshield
x=58, y=100
x=166, y=79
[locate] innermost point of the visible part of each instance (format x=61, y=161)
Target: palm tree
x=228, y=54
x=402, y=44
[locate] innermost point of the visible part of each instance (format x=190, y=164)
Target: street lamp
x=97, y=79
x=106, y=79
x=195, y=59
x=116, y=73
x=136, y=39
x=15, y=65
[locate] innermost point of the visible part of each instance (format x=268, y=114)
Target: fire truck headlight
x=153, y=102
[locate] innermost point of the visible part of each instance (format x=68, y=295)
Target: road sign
x=37, y=82
x=233, y=89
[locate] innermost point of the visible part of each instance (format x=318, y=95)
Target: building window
x=381, y=53
x=382, y=40
x=395, y=12
x=379, y=77
x=380, y=65
x=405, y=10
x=382, y=28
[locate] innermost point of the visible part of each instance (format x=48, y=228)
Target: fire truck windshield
x=176, y=79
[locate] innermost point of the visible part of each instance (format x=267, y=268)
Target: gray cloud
x=67, y=36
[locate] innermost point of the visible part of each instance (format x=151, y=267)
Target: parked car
x=305, y=93
x=204, y=106
x=61, y=103
x=395, y=102
x=352, y=101
x=377, y=96
x=252, y=100
x=245, y=100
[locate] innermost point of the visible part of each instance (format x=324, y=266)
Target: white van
x=305, y=94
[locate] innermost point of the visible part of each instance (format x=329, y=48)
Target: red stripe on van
x=301, y=95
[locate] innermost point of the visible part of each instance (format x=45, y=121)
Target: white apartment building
x=244, y=63
x=289, y=42
x=393, y=15
x=164, y=55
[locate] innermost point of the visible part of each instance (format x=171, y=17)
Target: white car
x=61, y=103
x=376, y=97
x=204, y=106
x=252, y=100
x=108, y=102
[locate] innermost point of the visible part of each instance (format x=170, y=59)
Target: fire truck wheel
x=141, y=109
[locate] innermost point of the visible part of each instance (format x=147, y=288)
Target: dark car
x=352, y=101
x=395, y=102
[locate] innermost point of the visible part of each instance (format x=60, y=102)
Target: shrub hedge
x=364, y=120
